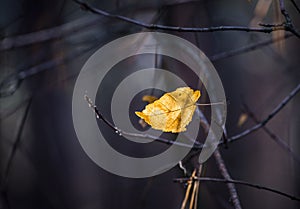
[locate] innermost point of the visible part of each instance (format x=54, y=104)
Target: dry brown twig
x=194, y=195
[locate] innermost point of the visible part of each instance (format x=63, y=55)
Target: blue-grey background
x=50, y=169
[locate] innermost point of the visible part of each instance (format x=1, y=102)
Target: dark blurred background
x=42, y=164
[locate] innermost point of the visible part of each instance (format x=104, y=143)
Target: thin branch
x=188, y=189
x=225, y=174
x=69, y=28
x=47, y=34
x=10, y=23
x=94, y=10
x=284, y=12
x=248, y=48
x=295, y=5
x=276, y=110
x=10, y=84
x=16, y=143
x=221, y=166
x=289, y=26
x=78, y=25
x=120, y=132
x=281, y=142
x=245, y=183
x=198, y=146
x=217, y=155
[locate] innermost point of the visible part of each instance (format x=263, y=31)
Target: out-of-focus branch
x=79, y=25
x=245, y=183
x=10, y=84
x=12, y=154
x=295, y=5
x=15, y=145
x=15, y=79
x=92, y=9
x=248, y=48
x=261, y=124
x=47, y=34
x=281, y=142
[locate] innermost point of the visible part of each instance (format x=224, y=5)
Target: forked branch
x=132, y=21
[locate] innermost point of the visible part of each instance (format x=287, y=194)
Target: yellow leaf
x=242, y=119
x=149, y=98
x=173, y=111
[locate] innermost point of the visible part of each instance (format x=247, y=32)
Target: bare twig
x=284, y=12
x=217, y=155
x=276, y=110
x=205, y=125
x=248, y=131
x=222, y=167
x=194, y=195
x=289, y=26
x=120, y=132
x=70, y=28
x=281, y=142
x=225, y=174
x=188, y=189
x=245, y=183
x=92, y=9
x=195, y=191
